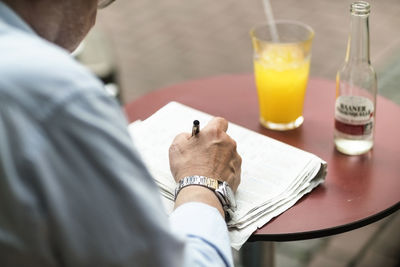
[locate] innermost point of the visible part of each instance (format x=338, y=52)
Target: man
x=66, y=160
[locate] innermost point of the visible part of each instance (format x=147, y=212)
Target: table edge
x=324, y=232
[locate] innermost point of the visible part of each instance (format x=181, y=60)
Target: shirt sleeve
x=205, y=233
x=75, y=193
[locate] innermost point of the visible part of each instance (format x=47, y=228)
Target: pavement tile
x=301, y=250
x=323, y=261
x=387, y=243
x=350, y=244
x=373, y=259
x=285, y=260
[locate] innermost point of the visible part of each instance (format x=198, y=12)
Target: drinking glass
x=281, y=69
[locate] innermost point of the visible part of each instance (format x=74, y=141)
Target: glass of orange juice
x=281, y=68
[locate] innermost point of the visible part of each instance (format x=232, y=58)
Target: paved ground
x=157, y=43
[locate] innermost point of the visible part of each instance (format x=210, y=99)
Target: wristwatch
x=221, y=189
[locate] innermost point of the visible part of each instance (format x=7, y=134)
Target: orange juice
x=281, y=73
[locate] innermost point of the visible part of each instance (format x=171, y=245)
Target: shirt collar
x=8, y=16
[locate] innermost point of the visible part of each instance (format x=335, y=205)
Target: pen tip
x=196, y=122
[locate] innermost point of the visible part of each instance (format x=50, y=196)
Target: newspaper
x=274, y=175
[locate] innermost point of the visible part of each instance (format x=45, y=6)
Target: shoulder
x=38, y=75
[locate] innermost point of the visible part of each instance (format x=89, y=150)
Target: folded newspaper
x=274, y=175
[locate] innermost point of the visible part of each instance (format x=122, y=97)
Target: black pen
x=196, y=127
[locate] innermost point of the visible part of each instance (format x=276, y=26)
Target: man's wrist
x=221, y=189
x=196, y=193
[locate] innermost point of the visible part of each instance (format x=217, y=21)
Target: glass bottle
x=356, y=88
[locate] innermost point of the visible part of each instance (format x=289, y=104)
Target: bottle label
x=354, y=115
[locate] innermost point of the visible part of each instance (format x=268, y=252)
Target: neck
x=358, y=44
x=43, y=16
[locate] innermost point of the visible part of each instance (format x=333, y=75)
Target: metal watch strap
x=207, y=182
x=196, y=180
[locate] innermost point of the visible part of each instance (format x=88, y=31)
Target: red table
x=358, y=190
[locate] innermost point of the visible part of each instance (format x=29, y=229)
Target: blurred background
x=139, y=45
x=158, y=43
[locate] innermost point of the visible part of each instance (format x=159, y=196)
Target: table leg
x=258, y=254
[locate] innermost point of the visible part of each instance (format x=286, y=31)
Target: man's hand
x=210, y=153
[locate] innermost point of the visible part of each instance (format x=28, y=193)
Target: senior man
x=66, y=159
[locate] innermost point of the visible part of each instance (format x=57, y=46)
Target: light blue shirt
x=67, y=165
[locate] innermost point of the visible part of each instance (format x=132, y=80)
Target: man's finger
x=217, y=123
x=182, y=137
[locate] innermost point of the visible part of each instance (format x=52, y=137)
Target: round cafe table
x=358, y=189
